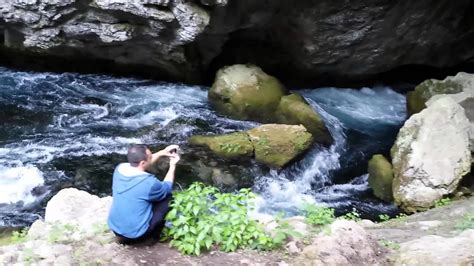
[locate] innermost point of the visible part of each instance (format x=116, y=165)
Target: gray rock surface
x=430, y=155
x=346, y=244
x=438, y=250
x=465, y=98
x=301, y=41
x=429, y=238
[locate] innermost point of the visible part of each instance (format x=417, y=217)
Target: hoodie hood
x=128, y=177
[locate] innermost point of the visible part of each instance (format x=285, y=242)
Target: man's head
x=139, y=156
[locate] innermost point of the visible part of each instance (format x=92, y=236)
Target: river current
x=59, y=129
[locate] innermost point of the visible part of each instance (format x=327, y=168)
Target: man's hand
x=168, y=151
x=174, y=159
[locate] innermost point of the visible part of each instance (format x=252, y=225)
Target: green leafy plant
x=317, y=215
x=30, y=257
x=59, y=233
x=19, y=236
x=442, y=202
x=283, y=231
x=203, y=218
x=384, y=217
x=352, y=216
x=390, y=244
x=466, y=223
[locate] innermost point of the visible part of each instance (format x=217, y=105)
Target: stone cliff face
x=189, y=40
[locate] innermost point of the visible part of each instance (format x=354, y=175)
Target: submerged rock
x=381, y=177
x=277, y=145
x=429, y=160
x=274, y=145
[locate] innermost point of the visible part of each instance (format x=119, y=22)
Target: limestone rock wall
x=295, y=40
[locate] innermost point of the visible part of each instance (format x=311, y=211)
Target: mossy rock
x=229, y=146
x=381, y=177
x=294, y=110
x=277, y=145
x=424, y=91
x=246, y=92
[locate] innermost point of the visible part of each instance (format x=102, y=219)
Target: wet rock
x=234, y=145
x=429, y=161
x=246, y=92
x=381, y=177
x=201, y=164
x=277, y=145
x=294, y=110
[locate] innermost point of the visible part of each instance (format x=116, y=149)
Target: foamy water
x=310, y=180
x=17, y=184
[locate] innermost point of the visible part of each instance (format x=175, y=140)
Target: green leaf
x=208, y=243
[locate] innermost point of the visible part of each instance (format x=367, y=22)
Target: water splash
x=17, y=184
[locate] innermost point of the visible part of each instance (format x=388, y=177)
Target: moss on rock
x=230, y=146
x=424, y=91
x=277, y=145
x=294, y=110
x=246, y=92
x=381, y=177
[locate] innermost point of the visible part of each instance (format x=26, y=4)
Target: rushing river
x=59, y=129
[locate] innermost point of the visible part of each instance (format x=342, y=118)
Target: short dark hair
x=136, y=153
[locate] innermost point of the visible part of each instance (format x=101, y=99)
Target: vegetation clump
x=203, y=218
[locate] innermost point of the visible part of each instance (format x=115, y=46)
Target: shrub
x=442, y=202
x=352, y=216
x=466, y=223
x=317, y=215
x=203, y=218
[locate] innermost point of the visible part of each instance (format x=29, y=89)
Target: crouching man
x=140, y=201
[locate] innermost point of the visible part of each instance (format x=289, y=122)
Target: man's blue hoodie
x=133, y=193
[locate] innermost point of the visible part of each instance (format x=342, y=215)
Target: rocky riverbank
x=74, y=231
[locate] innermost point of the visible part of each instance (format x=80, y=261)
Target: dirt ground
x=152, y=253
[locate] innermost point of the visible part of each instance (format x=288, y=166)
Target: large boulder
x=276, y=145
x=74, y=231
x=381, y=177
x=460, y=87
x=294, y=110
x=430, y=155
x=465, y=98
x=246, y=92
x=77, y=207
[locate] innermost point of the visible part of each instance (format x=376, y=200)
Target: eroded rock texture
x=295, y=40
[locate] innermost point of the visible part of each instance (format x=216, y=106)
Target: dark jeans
x=160, y=209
